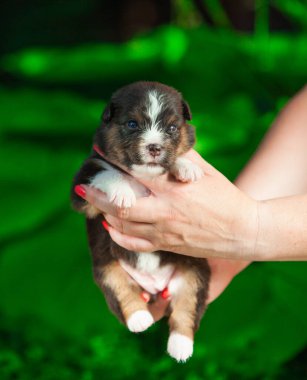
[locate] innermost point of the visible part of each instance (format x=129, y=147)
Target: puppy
x=143, y=130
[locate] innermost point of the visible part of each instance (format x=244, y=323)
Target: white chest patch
x=148, y=262
x=148, y=274
x=146, y=171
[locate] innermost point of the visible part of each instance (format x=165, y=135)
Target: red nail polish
x=98, y=150
x=165, y=293
x=145, y=297
x=79, y=190
x=105, y=225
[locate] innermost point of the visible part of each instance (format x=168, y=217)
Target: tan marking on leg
x=183, y=304
x=125, y=289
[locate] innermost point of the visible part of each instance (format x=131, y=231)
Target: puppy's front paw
x=186, y=171
x=122, y=196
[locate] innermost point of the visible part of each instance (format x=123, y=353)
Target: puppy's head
x=144, y=128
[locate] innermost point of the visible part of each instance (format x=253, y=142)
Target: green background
x=61, y=60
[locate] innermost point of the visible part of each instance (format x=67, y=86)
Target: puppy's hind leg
x=187, y=306
x=123, y=295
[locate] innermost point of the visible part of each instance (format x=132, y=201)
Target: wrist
x=248, y=231
x=269, y=236
x=281, y=229
x=241, y=265
x=276, y=232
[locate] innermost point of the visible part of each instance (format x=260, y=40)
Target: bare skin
x=263, y=217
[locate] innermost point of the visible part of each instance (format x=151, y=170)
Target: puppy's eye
x=132, y=124
x=172, y=129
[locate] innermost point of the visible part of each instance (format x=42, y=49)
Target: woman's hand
x=207, y=218
x=276, y=170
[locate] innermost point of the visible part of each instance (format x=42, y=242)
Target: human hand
x=222, y=271
x=207, y=218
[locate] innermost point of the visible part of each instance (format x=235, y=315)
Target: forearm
x=282, y=229
x=213, y=218
x=279, y=166
x=279, y=169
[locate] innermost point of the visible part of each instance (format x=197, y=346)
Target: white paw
x=180, y=347
x=122, y=196
x=140, y=321
x=186, y=171
x=116, y=185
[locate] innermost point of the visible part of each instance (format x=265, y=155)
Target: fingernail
x=105, y=225
x=98, y=150
x=80, y=190
x=165, y=293
x=145, y=297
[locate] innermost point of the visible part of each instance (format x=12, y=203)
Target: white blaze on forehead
x=153, y=135
x=155, y=105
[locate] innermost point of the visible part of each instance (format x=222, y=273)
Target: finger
x=161, y=183
x=129, y=242
x=99, y=199
x=145, y=209
x=142, y=230
x=158, y=308
x=198, y=159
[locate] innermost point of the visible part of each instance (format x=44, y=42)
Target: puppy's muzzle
x=154, y=150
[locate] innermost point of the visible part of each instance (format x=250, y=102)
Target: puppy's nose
x=154, y=149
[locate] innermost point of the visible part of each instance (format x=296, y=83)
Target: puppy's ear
x=186, y=112
x=108, y=113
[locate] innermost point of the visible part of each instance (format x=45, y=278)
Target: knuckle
x=170, y=215
x=121, y=227
x=157, y=239
x=116, y=223
x=122, y=213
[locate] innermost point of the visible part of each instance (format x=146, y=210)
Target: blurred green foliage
x=54, y=321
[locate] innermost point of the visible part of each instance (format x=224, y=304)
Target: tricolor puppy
x=144, y=130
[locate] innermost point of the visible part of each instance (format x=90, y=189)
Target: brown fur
x=126, y=291
x=184, y=305
x=121, y=146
